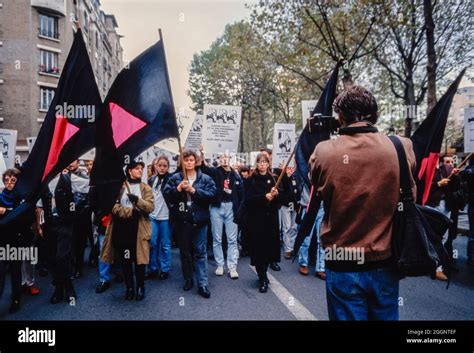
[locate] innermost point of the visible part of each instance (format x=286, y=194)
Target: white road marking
x=296, y=308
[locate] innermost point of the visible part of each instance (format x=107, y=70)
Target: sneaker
x=220, y=271
x=288, y=255
x=441, y=276
x=233, y=273
x=304, y=270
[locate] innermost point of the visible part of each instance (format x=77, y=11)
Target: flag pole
x=181, y=160
x=465, y=160
x=462, y=164
x=283, y=171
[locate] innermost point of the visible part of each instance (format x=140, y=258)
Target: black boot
x=58, y=294
x=129, y=294
x=188, y=284
x=140, y=293
x=14, y=306
x=70, y=292
x=163, y=276
x=263, y=288
x=152, y=275
x=102, y=287
x=204, y=292
x=275, y=267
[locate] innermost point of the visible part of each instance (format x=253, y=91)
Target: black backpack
x=418, y=231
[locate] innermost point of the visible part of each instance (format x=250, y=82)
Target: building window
x=46, y=97
x=48, y=26
x=49, y=62
x=97, y=40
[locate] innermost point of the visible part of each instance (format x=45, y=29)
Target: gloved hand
x=133, y=198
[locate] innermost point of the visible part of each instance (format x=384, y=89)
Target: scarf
x=9, y=199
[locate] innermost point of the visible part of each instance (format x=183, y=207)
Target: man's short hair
x=356, y=104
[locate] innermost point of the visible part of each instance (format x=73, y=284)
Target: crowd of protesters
x=226, y=211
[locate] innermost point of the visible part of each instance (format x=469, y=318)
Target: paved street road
x=291, y=297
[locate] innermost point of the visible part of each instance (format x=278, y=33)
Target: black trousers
x=262, y=271
x=132, y=272
x=192, y=243
x=59, y=247
x=15, y=277
x=244, y=238
x=82, y=231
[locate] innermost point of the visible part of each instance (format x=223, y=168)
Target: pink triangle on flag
x=63, y=131
x=124, y=124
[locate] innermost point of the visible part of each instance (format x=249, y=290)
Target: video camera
x=325, y=125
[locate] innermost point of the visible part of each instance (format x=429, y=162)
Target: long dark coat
x=261, y=219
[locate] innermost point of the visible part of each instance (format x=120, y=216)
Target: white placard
x=30, y=141
x=253, y=158
x=221, y=129
x=195, y=135
x=283, y=143
x=468, y=129
x=3, y=167
x=307, y=108
x=8, y=146
x=184, y=125
x=150, y=154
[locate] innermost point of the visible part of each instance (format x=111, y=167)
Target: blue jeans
x=368, y=295
x=160, y=244
x=224, y=216
x=303, y=253
x=104, y=268
x=470, y=240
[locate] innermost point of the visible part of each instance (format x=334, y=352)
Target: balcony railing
x=49, y=70
x=48, y=34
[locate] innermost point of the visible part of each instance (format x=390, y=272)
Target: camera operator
x=357, y=177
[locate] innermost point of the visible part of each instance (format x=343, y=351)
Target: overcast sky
x=188, y=27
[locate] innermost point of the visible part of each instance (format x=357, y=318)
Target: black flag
x=428, y=138
x=309, y=138
x=137, y=113
x=306, y=144
x=68, y=130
